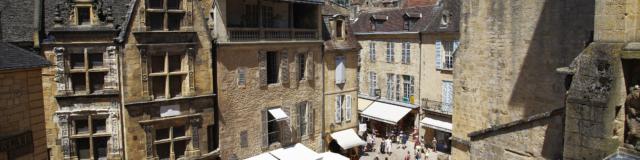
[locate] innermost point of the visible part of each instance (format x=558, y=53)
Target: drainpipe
x=122, y=107
x=419, y=84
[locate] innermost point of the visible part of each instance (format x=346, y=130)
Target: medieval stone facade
x=269, y=75
x=168, y=94
x=507, y=90
x=340, y=67
x=82, y=88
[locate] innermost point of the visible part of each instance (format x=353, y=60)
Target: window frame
x=372, y=51
x=390, y=52
x=390, y=86
x=408, y=88
x=303, y=119
x=167, y=13
x=340, y=29
x=89, y=8
x=302, y=66
x=242, y=76
x=168, y=74
x=406, y=52
x=373, y=85
x=276, y=124
x=448, y=48
x=273, y=67
x=90, y=135
x=87, y=69
x=171, y=140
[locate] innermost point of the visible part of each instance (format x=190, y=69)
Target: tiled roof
x=332, y=43
x=306, y=1
x=429, y=21
x=333, y=9
x=393, y=20
x=16, y=19
x=118, y=9
x=14, y=57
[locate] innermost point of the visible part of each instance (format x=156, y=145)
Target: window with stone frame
x=339, y=28
x=373, y=84
x=87, y=72
x=409, y=87
x=83, y=15
x=242, y=76
x=390, y=52
x=390, y=86
x=273, y=67
x=171, y=142
x=273, y=129
x=302, y=63
x=168, y=73
x=164, y=15
x=303, y=118
x=89, y=136
x=372, y=51
x=406, y=53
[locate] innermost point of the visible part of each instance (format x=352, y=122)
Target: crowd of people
x=399, y=140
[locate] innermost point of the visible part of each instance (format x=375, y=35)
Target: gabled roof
x=14, y=57
x=451, y=8
x=16, y=17
x=393, y=20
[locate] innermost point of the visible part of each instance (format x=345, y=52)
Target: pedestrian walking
x=382, y=149
x=434, y=143
x=388, y=146
x=418, y=155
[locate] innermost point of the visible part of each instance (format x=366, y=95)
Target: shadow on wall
x=562, y=31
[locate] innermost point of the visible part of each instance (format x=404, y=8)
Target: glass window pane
x=100, y=148
x=95, y=60
x=157, y=64
x=81, y=126
x=163, y=150
x=176, y=85
x=175, y=63
x=178, y=131
x=179, y=147
x=77, y=61
x=158, y=84
x=162, y=134
x=173, y=4
x=155, y=21
x=97, y=81
x=84, y=17
x=78, y=81
x=156, y=4
x=99, y=125
x=82, y=148
x=174, y=20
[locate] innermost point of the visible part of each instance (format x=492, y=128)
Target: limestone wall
x=22, y=111
x=241, y=106
x=331, y=90
x=617, y=21
x=505, y=67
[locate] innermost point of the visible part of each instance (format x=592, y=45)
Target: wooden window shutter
x=312, y=120
x=285, y=127
x=310, y=66
x=262, y=69
x=284, y=67
x=340, y=74
x=338, y=109
x=296, y=70
x=265, y=130
x=438, y=54
x=347, y=113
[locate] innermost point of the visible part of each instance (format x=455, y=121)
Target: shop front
x=388, y=120
x=437, y=133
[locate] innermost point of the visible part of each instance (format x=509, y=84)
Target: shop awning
x=297, y=152
x=278, y=114
x=348, y=139
x=332, y=156
x=363, y=104
x=387, y=113
x=263, y=156
x=437, y=124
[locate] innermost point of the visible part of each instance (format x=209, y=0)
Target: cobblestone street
x=398, y=152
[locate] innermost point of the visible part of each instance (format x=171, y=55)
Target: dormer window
x=445, y=19
x=377, y=22
x=164, y=15
x=339, y=29
x=410, y=20
x=83, y=15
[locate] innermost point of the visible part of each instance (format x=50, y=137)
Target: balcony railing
x=436, y=106
x=272, y=34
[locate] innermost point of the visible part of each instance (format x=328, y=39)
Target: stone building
x=509, y=99
x=268, y=64
x=167, y=80
x=22, y=131
x=603, y=98
x=420, y=76
x=340, y=88
x=82, y=87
